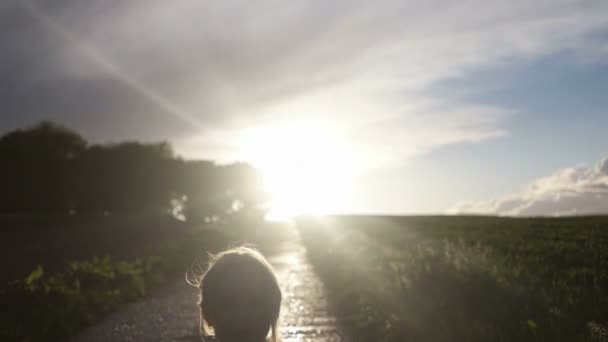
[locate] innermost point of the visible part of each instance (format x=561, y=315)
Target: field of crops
x=464, y=278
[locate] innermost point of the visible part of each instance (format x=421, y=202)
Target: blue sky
x=560, y=121
x=417, y=107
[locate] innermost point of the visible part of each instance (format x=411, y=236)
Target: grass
x=63, y=295
x=58, y=304
x=464, y=278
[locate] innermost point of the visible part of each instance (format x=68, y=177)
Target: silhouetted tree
x=49, y=168
x=36, y=165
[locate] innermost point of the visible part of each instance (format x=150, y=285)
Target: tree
x=49, y=168
x=35, y=167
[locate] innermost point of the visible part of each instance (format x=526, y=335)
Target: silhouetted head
x=240, y=297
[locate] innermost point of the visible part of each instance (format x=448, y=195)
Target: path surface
x=172, y=315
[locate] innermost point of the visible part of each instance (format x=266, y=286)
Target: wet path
x=305, y=315
x=171, y=315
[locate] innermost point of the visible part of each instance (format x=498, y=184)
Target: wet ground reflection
x=305, y=315
x=172, y=315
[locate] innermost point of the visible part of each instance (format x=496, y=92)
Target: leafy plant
x=55, y=306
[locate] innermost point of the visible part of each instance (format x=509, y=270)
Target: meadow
x=464, y=278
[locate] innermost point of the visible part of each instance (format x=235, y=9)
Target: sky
x=380, y=106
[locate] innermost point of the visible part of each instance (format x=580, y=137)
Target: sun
x=305, y=166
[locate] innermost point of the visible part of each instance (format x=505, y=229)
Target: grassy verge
x=54, y=306
x=464, y=279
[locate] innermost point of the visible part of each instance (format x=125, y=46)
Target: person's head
x=240, y=296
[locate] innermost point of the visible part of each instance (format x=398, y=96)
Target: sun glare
x=305, y=167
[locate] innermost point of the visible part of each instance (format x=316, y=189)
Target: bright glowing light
x=306, y=168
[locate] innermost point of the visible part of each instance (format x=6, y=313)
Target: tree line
x=48, y=168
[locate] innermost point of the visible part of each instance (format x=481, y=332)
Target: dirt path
x=172, y=314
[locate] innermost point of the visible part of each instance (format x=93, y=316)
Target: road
x=172, y=315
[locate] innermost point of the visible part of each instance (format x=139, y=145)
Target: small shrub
x=53, y=307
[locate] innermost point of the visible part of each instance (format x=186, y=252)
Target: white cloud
x=361, y=67
x=571, y=191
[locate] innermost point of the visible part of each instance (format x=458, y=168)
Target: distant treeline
x=48, y=168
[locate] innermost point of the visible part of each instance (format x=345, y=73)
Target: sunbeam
x=98, y=57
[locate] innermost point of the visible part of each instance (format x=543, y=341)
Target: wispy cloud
x=363, y=68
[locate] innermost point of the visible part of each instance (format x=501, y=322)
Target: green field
x=464, y=278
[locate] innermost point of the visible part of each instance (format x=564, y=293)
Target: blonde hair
x=239, y=296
